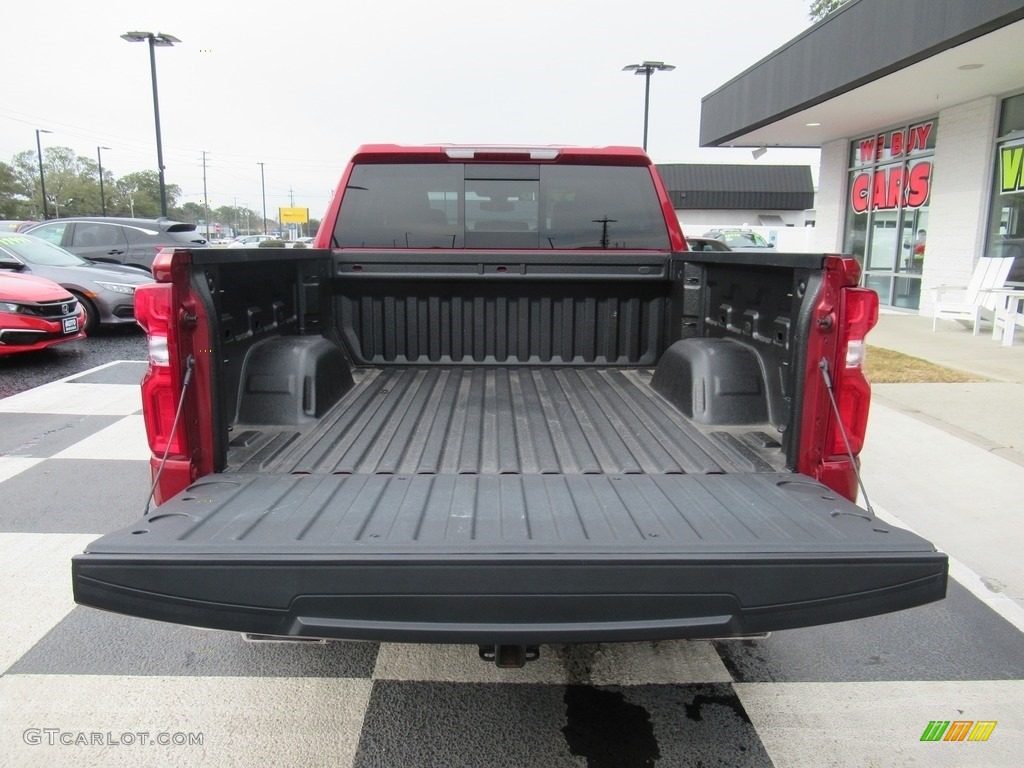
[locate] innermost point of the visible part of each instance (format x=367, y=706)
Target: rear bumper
x=505, y=599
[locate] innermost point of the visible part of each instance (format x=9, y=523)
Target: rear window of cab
x=479, y=205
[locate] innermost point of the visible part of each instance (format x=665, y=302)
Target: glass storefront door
x=887, y=214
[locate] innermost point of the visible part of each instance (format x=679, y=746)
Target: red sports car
x=36, y=313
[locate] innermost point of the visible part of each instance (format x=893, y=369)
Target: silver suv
x=134, y=242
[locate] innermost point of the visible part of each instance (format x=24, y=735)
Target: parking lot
x=81, y=687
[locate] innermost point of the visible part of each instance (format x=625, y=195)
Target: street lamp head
x=159, y=38
x=42, y=130
x=649, y=67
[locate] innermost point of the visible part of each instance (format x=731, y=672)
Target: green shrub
x=271, y=243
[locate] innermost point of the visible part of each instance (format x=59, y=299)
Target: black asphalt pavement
x=24, y=371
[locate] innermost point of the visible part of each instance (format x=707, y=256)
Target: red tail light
x=835, y=354
x=160, y=387
x=858, y=313
x=174, y=319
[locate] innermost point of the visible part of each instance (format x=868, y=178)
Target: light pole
x=164, y=41
x=647, y=69
x=42, y=180
x=263, y=184
x=99, y=159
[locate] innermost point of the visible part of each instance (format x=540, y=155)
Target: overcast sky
x=298, y=89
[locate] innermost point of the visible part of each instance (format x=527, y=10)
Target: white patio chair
x=973, y=302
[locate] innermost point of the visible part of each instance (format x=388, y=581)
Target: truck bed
x=507, y=449
x=498, y=421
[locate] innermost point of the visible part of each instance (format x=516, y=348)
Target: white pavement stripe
x=35, y=587
x=82, y=399
x=124, y=439
x=958, y=496
x=989, y=592
x=808, y=725
x=664, y=663
x=986, y=590
x=15, y=465
x=111, y=364
x=241, y=721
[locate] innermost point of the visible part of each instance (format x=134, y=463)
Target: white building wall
x=961, y=191
x=830, y=200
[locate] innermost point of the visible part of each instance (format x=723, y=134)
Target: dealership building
x=918, y=109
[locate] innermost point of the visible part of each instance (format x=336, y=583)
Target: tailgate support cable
x=823, y=367
x=190, y=363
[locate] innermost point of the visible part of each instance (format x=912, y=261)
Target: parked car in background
x=134, y=242
x=9, y=225
x=741, y=239
x=249, y=241
x=706, y=244
x=36, y=313
x=105, y=291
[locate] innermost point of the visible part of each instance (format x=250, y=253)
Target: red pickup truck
x=500, y=403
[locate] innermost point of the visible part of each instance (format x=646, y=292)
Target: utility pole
x=206, y=200
x=291, y=202
x=103, y=199
x=263, y=185
x=42, y=179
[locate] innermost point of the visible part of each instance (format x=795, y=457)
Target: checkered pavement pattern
x=83, y=687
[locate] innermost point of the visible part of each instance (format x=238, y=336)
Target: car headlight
x=117, y=287
x=15, y=309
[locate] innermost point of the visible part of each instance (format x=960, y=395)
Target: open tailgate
x=508, y=559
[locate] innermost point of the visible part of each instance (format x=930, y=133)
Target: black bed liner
x=518, y=420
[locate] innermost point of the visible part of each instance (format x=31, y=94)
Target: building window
x=890, y=179
x=1006, y=217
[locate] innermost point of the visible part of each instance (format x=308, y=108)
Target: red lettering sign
x=867, y=151
x=897, y=143
x=889, y=188
x=919, y=184
x=919, y=136
x=859, y=193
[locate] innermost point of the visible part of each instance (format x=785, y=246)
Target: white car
x=249, y=241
